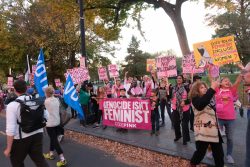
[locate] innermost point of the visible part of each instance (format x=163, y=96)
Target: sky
x=160, y=32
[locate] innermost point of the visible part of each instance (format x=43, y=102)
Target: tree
x=136, y=59
x=123, y=8
x=55, y=27
x=233, y=20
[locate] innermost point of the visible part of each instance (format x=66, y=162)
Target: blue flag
x=71, y=98
x=40, y=78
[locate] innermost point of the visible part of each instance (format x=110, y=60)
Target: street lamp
x=82, y=28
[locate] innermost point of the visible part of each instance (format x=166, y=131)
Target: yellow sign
x=217, y=51
x=151, y=65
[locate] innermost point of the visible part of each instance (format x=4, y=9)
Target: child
x=205, y=123
x=154, y=112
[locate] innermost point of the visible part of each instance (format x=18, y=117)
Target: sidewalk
x=164, y=142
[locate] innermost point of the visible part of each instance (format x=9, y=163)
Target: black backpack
x=32, y=115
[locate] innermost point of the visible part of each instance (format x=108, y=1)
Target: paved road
x=77, y=155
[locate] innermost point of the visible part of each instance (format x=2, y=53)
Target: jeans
x=248, y=140
x=229, y=129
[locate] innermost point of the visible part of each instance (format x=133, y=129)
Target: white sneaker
x=209, y=155
x=222, y=132
x=230, y=159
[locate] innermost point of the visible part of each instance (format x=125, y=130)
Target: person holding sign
x=225, y=97
x=108, y=88
x=180, y=106
x=205, y=123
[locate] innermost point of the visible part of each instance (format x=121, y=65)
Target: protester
x=52, y=105
x=84, y=97
x=180, y=106
x=98, y=113
x=226, y=112
x=123, y=96
x=108, y=88
x=246, y=78
x=196, y=78
x=155, y=112
x=206, y=125
x=163, y=100
x=127, y=83
x=116, y=88
x=149, y=84
x=135, y=90
x=20, y=144
x=1, y=100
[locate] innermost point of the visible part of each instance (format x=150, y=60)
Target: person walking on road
x=19, y=143
x=52, y=104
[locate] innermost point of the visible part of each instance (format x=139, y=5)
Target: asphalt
x=164, y=142
x=77, y=155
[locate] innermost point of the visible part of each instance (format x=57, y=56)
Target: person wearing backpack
x=23, y=139
x=53, y=125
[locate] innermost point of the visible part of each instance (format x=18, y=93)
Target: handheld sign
x=113, y=70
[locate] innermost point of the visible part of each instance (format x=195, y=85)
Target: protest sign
x=127, y=113
x=102, y=73
x=188, y=65
x=82, y=62
x=151, y=65
x=57, y=82
x=10, y=81
x=218, y=51
x=113, y=70
x=78, y=75
x=166, y=66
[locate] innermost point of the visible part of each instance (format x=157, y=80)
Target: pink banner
x=127, y=113
x=78, y=75
x=113, y=70
x=102, y=73
x=166, y=66
x=188, y=65
x=57, y=82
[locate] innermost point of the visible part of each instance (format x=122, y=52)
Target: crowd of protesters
x=190, y=105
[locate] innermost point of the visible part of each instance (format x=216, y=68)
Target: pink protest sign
x=113, y=70
x=166, y=66
x=214, y=71
x=126, y=113
x=188, y=65
x=57, y=82
x=102, y=73
x=82, y=62
x=10, y=81
x=78, y=75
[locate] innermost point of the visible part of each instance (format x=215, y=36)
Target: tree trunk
x=181, y=33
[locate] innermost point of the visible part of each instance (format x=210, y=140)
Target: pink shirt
x=136, y=91
x=116, y=90
x=225, y=103
x=185, y=108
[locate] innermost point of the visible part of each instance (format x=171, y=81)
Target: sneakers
x=49, y=156
x=60, y=138
x=96, y=126
x=209, y=155
x=230, y=159
x=61, y=163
